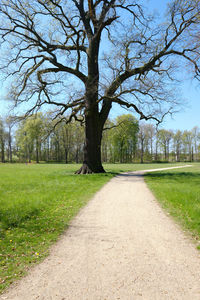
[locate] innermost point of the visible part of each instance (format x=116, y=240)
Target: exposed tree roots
x=85, y=169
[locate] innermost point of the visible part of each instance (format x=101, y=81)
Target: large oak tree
x=84, y=55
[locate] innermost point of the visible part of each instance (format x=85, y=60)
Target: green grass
x=179, y=193
x=36, y=204
x=117, y=168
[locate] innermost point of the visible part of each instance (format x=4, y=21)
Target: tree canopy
x=81, y=56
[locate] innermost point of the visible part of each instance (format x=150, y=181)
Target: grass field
x=178, y=191
x=36, y=204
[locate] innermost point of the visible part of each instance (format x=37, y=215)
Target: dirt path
x=120, y=246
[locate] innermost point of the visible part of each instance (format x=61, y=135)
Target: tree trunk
x=92, y=148
x=28, y=158
x=192, y=158
x=77, y=156
x=156, y=154
x=37, y=151
x=142, y=152
x=2, y=153
x=47, y=153
x=165, y=151
x=10, y=150
x=66, y=156
x=94, y=121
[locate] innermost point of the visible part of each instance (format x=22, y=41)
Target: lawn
x=37, y=203
x=178, y=191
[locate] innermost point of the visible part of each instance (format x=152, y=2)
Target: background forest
x=125, y=140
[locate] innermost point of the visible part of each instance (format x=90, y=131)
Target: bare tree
x=83, y=55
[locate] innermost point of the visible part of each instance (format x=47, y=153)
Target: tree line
x=125, y=140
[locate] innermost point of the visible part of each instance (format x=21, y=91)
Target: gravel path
x=120, y=246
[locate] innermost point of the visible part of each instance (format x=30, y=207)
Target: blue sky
x=187, y=118
x=189, y=114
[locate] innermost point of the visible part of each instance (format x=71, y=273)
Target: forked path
x=120, y=246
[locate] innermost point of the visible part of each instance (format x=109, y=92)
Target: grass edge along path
x=178, y=192
x=37, y=203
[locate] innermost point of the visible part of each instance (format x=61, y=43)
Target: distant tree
x=29, y=136
x=151, y=132
x=67, y=137
x=24, y=143
x=9, y=122
x=107, y=142
x=143, y=139
x=63, y=136
x=196, y=140
x=78, y=142
x=177, y=142
x=56, y=143
x=164, y=138
x=135, y=70
x=2, y=140
x=187, y=139
x=125, y=137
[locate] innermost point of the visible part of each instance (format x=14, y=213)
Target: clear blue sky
x=189, y=115
x=187, y=118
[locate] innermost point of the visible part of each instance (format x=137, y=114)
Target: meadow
x=37, y=202
x=178, y=191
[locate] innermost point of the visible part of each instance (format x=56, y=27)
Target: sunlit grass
x=37, y=203
x=179, y=192
x=137, y=167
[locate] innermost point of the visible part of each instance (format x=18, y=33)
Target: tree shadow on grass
x=179, y=177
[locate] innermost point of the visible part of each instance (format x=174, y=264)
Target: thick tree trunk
x=92, y=148
x=94, y=121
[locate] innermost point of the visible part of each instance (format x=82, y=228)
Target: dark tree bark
x=93, y=136
x=138, y=62
x=94, y=121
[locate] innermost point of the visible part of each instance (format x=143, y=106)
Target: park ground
x=38, y=201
